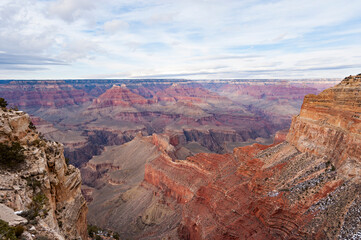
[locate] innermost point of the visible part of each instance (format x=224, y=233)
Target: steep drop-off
x=43, y=189
x=307, y=187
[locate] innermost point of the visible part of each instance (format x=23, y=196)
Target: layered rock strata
x=306, y=187
x=43, y=188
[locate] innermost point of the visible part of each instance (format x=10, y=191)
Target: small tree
x=32, y=126
x=3, y=103
x=11, y=156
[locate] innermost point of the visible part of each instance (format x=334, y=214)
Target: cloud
x=70, y=10
x=12, y=59
x=27, y=63
x=190, y=38
x=115, y=25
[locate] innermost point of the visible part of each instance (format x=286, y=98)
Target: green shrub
x=33, y=183
x=7, y=232
x=333, y=168
x=30, y=214
x=32, y=126
x=11, y=156
x=3, y=103
x=19, y=230
x=92, y=230
x=116, y=236
x=35, y=207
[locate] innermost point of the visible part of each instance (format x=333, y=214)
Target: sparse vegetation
x=33, y=183
x=97, y=233
x=3, y=103
x=42, y=238
x=36, y=207
x=92, y=230
x=32, y=126
x=333, y=168
x=11, y=156
x=10, y=233
x=14, y=108
x=116, y=236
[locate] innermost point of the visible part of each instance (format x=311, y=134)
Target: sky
x=193, y=39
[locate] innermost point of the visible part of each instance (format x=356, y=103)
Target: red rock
x=300, y=189
x=118, y=96
x=47, y=94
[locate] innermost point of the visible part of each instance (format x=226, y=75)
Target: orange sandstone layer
x=307, y=187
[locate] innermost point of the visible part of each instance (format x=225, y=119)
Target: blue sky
x=198, y=39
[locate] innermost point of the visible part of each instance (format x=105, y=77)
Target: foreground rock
x=42, y=188
x=8, y=215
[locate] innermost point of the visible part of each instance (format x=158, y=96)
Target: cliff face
x=43, y=189
x=330, y=123
x=307, y=187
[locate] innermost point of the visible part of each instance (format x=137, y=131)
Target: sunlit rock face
x=307, y=187
x=44, y=180
x=330, y=123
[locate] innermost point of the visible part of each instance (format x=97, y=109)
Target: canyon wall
x=42, y=187
x=307, y=187
x=216, y=115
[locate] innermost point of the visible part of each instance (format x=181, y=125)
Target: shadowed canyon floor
x=304, y=186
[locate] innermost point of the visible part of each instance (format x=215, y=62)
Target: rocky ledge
x=37, y=183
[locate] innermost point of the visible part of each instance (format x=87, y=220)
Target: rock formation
x=87, y=115
x=307, y=187
x=42, y=188
x=118, y=96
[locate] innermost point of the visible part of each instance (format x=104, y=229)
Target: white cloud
x=130, y=38
x=70, y=10
x=115, y=25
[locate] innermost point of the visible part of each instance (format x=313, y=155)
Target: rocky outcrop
x=8, y=215
x=43, y=188
x=306, y=187
x=330, y=123
x=118, y=96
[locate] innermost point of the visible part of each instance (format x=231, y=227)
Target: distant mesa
x=118, y=96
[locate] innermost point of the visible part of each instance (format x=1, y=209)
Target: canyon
x=178, y=159
x=215, y=116
x=305, y=185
